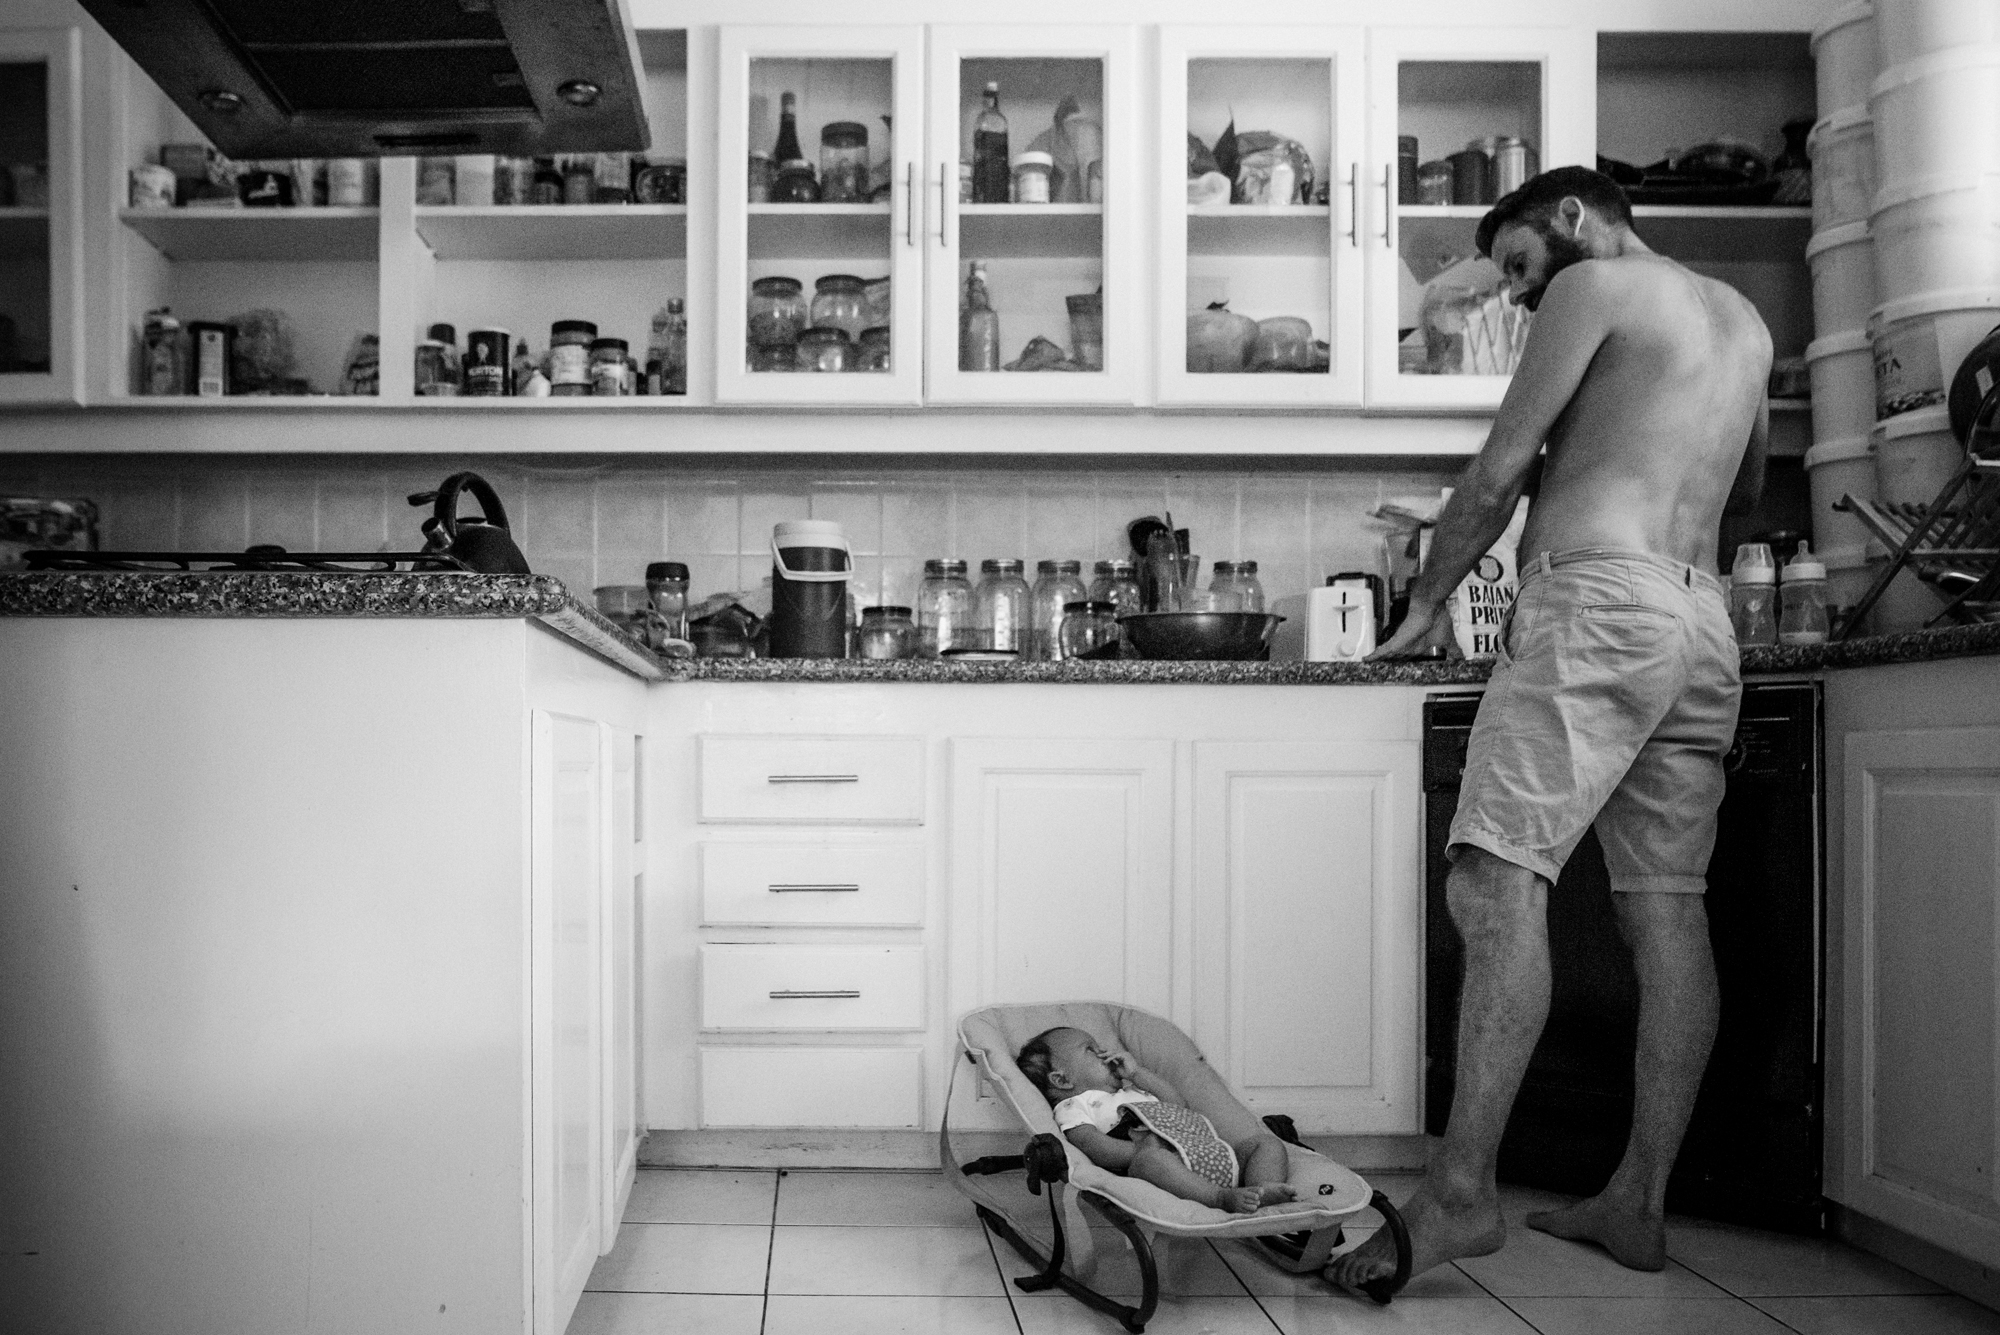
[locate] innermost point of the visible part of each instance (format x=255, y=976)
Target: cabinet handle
x=804, y=888
x=1354, y=204
x=947, y=181
x=1388, y=204
x=910, y=204
x=826, y=994
x=812, y=778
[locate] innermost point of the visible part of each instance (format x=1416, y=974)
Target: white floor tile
x=667, y=1314
x=1187, y=1267
x=1645, y=1316
x=1749, y=1262
x=823, y=1314
x=1060, y=1314
x=1535, y=1265
x=912, y=1262
x=684, y=1258
x=881, y=1200
x=701, y=1196
x=1946, y=1315
x=1327, y=1315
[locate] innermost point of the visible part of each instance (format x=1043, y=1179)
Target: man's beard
x=1562, y=250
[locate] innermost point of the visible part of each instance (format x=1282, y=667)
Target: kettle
x=482, y=545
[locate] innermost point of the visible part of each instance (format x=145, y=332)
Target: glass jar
x=1089, y=630
x=1117, y=583
x=944, y=609
x=579, y=178
x=569, y=356
x=777, y=312
x=433, y=376
x=795, y=183
x=886, y=632
x=1057, y=585
x=824, y=350
x=163, y=364
x=1234, y=587
x=839, y=303
x=1000, y=606
x=779, y=358
x=610, y=367
x=763, y=174
x=872, y=354
x=624, y=606
x=667, y=591
x=613, y=179
x=843, y=163
x=1031, y=177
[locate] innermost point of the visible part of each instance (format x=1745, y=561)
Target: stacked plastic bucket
x=1842, y=257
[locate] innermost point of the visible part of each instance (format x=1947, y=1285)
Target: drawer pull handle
x=803, y=889
x=813, y=778
x=830, y=994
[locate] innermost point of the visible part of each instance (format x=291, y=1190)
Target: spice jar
x=1000, y=606
x=795, y=183
x=569, y=356
x=1089, y=630
x=944, y=609
x=613, y=183
x=763, y=173
x=873, y=352
x=163, y=365
x=843, y=162
x=886, y=632
x=777, y=312
x=610, y=367
x=579, y=179
x=824, y=350
x=838, y=303
x=1031, y=177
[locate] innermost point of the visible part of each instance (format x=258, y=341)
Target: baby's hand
x=1121, y=1064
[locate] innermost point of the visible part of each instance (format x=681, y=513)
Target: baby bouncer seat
x=1299, y=1235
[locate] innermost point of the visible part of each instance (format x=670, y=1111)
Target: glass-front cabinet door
x=1260, y=212
x=40, y=261
x=820, y=224
x=1032, y=292
x=1458, y=117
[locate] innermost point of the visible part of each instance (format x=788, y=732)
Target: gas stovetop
x=261, y=558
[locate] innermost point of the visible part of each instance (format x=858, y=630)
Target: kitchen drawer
x=812, y=885
x=846, y=1087
x=780, y=987
x=812, y=780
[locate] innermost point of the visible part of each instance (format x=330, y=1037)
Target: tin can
x=213, y=345
x=489, y=354
x=513, y=180
x=1406, y=169
x=153, y=187
x=1434, y=183
x=1471, y=177
x=346, y=182
x=1510, y=165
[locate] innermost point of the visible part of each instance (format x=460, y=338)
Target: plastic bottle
x=992, y=167
x=978, y=326
x=1803, y=591
x=1753, y=595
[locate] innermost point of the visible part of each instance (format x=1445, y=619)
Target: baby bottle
x=1803, y=591
x=1753, y=595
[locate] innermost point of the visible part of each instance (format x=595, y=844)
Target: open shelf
x=556, y=232
x=199, y=234
x=23, y=233
x=1023, y=231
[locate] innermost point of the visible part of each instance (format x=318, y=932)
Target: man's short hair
x=1534, y=204
x=1036, y=1059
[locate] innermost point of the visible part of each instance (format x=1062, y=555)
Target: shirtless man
x=1615, y=695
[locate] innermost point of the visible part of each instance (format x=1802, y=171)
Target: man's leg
x=1678, y=1008
x=1501, y=912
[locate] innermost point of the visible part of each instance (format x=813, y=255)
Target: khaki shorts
x=1613, y=701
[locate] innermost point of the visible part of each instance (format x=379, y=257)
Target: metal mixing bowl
x=1209, y=636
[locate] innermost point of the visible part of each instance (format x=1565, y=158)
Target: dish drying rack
x=1954, y=542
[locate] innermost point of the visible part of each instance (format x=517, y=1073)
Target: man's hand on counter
x=1424, y=628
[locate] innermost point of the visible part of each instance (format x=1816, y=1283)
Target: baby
x=1129, y=1120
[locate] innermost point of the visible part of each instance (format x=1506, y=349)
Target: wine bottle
x=978, y=326
x=787, y=148
x=991, y=165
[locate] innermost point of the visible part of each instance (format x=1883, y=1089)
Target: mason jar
x=843, y=163
x=1090, y=630
x=944, y=609
x=886, y=633
x=1057, y=585
x=838, y=303
x=1001, y=606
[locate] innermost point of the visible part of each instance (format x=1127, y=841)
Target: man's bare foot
x=1236, y=1200
x=1437, y=1234
x=1275, y=1193
x=1633, y=1239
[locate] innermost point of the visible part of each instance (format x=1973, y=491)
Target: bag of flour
x=1479, y=605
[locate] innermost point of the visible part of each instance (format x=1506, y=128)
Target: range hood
x=365, y=78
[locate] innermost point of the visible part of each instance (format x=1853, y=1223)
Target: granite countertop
x=544, y=599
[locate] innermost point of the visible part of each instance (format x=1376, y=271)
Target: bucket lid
x=1935, y=302
x=808, y=533
x=1839, y=451
x=1848, y=120
x=1936, y=62
x=1802, y=566
x=1935, y=420
x=1848, y=340
x=1847, y=234
x=1923, y=187
x=1856, y=12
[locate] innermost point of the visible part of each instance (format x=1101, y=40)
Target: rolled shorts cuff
x=1659, y=885
x=1539, y=863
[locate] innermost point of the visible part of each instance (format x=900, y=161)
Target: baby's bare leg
x=1154, y=1161
x=1266, y=1167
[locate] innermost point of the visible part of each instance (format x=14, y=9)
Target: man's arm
x=1749, y=486
x=1569, y=327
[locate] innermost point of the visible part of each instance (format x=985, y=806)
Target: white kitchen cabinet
x=41, y=216
x=1265, y=260
x=1306, y=889
x=1047, y=264
x=871, y=75
x=1447, y=87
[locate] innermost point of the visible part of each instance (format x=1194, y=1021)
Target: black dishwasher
x=1752, y=1153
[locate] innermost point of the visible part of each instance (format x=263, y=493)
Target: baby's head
x=1065, y=1062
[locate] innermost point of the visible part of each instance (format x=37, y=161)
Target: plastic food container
x=1909, y=29
x=1835, y=469
x=1936, y=234
x=1915, y=456
x=1842, y=149
x=1929, y=113
x=1844, y=56
x=1842, y=371
x=1919, y=343
x=1031, y=177
x=1843, y=278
